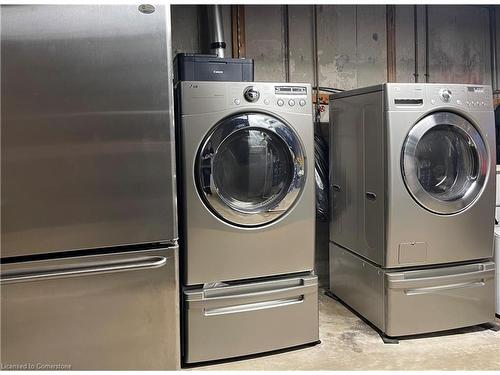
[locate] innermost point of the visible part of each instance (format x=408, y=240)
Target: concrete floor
x=347, y=343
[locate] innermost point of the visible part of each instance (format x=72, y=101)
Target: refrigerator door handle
x=141, y=263
x=437, y=289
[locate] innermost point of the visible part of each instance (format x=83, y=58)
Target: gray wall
x=352, y=42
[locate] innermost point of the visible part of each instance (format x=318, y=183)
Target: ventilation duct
x=216, y=30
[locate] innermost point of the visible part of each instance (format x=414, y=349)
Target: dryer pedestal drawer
x=239, y=319
x=424, y=300
x=438, y=299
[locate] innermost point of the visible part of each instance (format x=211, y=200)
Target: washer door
x=250, y=169
x=444, y=162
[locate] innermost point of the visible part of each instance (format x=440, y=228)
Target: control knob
x=445, y=95
x=251, y=95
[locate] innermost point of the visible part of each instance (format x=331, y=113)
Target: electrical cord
x=327, y=89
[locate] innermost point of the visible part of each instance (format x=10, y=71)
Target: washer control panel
x=428, y=96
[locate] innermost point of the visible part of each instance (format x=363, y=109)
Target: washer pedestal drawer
x=401, y=303
x=231, y=320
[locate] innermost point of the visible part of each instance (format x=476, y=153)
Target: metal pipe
x=390, y=18
x=415, y=34
x=493, y=48
x=426, y=43
x=216, y=26
x=286, y=41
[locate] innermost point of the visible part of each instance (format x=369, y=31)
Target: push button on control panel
x=280, y=102
x=291, y=102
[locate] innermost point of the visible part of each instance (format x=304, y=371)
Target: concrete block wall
x=352, y=46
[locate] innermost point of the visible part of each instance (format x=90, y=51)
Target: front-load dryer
x=413, y=173
x=413, y=193
x=247, y=180
x=247, y=214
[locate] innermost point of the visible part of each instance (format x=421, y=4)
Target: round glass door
x=250, y=169
x=444, y=162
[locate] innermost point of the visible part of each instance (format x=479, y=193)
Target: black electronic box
x=197, y=67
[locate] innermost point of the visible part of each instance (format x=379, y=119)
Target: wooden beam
x=238, y=30
x=390, y=18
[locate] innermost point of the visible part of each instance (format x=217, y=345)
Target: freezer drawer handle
x=82, y=270
x=254, y=306
x=435, y=289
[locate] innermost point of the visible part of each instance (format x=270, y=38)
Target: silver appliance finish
x=473, y=186
x=87, y=128
x=246, y=318
x=381, y=211
x=103, y=312
x=416, y=301
x=88, y=163
x=247, y=181
x=229, y=239
x=413, y=190
x=234, y=210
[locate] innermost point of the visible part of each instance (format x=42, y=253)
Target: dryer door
x=444, y=163
x=250, y=169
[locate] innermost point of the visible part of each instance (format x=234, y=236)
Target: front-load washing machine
x=247, y=214
x=413, y=192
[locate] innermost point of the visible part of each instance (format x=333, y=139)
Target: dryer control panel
x=288, y=97
x=206, y=97
x=428, y=96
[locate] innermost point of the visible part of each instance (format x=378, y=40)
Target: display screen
x=475, y=89
x=290, y=90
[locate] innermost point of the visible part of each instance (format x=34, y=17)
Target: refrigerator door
x=87, y=146
x=103, y=312
x=239, y=319
x=438, y=299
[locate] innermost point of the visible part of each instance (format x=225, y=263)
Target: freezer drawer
x=425, y=300
x=106, y=312
x=239, y=319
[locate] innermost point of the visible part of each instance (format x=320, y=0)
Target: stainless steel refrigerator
x=89, y=257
